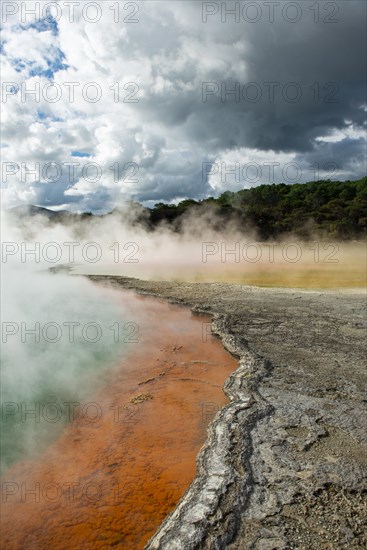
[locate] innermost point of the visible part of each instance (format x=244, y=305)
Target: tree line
x=335, y=209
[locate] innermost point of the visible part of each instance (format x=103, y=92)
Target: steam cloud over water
x=59, y=332
x=60, y=337
x=202, y=248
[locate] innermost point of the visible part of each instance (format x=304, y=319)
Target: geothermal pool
x=121, y=465
x=311, y=265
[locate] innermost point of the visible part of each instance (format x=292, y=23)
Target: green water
x=48, y=374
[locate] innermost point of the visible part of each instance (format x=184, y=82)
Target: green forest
x=325, y=208
x=322, y=209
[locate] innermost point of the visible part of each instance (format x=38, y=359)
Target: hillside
x=330, y=208
x=336, y=209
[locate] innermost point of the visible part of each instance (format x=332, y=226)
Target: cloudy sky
x=163, y=100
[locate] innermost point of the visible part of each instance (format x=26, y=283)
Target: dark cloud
x=295, y=82
x=345, y=159
x=302, y=80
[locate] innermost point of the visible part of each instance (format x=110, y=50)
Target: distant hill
x=28, y=210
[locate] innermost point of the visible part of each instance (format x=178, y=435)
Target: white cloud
x=169, y=132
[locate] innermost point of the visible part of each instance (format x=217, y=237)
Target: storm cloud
x=183, y=85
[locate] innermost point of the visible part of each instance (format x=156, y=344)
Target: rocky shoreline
x=285, y=462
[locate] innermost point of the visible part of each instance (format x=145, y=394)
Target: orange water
x=109, y=483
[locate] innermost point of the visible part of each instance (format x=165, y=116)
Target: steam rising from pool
x=204, y=250
x=57, y=345
x=65, y=366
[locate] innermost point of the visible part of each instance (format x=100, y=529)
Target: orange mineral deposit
x=117, y=470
